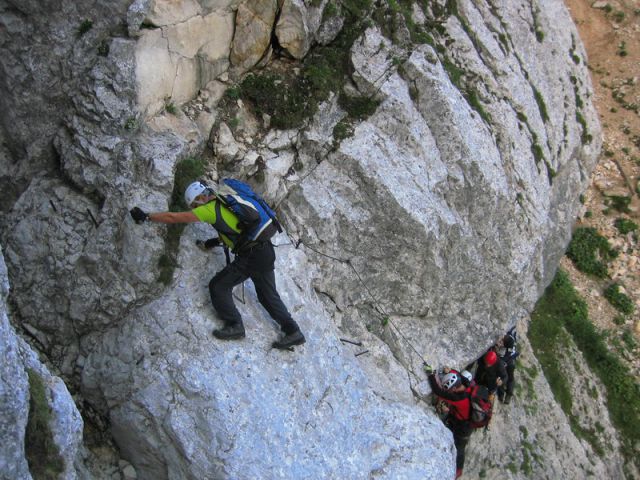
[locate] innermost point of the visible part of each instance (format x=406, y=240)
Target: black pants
x=508, y=388
x=461, y=434
x=257, y=264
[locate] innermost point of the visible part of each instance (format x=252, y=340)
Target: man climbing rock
x=455, y=395
x=248, y=238
x=506, y=349
x=491, y=373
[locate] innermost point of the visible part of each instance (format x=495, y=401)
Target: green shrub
x=232, y=93
x=620, y=203
x=170, y=108
x=43, y=454
x=342, y=130
x=624, y=225
x=619, y=320
x=619, y=300
x=358, y=108
x=590, y=251
x=84, y=27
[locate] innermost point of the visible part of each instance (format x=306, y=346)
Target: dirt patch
x=610, y=32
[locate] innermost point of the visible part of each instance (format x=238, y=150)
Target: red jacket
x=459, y=402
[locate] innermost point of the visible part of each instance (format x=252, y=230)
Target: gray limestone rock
x=252, y=38
x=233, y=409
x=16, y=357
x=424, y=234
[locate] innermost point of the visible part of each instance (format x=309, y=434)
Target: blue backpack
x=242, y=197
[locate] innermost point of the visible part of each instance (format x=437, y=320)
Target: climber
x=491, y=373
x=467, y=378
x=506, y=349
x=455, y=395
x=253, y=259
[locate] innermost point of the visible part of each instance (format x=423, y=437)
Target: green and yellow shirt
x=222, y=219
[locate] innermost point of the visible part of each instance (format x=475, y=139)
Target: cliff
x=426, y=160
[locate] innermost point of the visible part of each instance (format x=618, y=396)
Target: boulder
x=252, y=38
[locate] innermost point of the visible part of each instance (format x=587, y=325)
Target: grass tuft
x=43, y=454
x=619, y=300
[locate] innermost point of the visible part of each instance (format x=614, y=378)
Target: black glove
x=208, y=244
x=139, y=215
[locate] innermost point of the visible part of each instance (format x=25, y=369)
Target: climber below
x=254, y=259
x=455, y=396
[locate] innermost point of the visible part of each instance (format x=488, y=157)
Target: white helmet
x=467, y=374
x=450, y=380
x=193, y=190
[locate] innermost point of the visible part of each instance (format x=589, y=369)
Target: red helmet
x=490, y=358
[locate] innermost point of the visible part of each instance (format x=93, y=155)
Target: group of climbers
x=466, y=402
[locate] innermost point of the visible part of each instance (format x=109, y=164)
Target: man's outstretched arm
x=140, y=216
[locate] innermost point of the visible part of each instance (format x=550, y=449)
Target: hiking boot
x=458, y=473
x=289, y=340
x=230, y=332
x=507, y=399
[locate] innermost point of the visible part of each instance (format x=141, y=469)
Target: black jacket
x=488, y=376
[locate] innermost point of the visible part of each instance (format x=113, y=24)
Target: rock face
x=16, y=357
x=230, y=410
x=423, y=234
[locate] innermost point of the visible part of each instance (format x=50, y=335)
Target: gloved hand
x=208, y=244
x=428, y=369
x=139, y=215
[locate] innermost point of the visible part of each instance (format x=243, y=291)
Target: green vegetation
x=619, y=320
x=586, y=137
x=474, y=102
x=624, y=225
x=620, y=203
x=537, y=152
x=542, y=107
x=622, y=49
x=290, y=100
x=590, y=251
x=618, y=16
x=187, y=171
x=232, y=93
x=103, y=48
x=417, y=32
x=84, y=27
x=619, y=300
x=561, y=306
x=342, y=130
x=170, y=108
x=628, y=339
x=358, y=108
x=131, y=123
x=575, y=57
x=43, y=455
